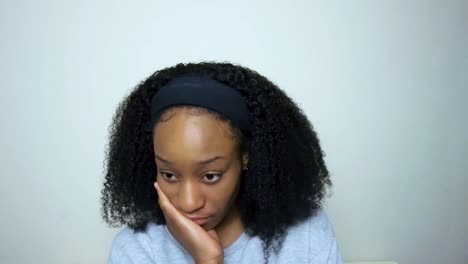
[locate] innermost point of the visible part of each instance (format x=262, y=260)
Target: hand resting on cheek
x=204, y=246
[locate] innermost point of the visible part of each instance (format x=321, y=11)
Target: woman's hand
x=204, y=246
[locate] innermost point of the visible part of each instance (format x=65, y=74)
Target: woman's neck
x=230, y=229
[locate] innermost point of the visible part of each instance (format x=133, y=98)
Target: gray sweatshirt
x=310, y=241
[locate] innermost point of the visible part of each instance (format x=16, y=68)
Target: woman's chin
x=207, y=226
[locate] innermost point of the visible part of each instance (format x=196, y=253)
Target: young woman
x=213, y=163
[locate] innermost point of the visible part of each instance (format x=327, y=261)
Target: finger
x=164, y=202
x=172, y=215
x=166, y=205
x=175, y=221
x=158, y=190
x=189, y=234
x=161, y=198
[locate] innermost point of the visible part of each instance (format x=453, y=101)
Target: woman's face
x=198, y=165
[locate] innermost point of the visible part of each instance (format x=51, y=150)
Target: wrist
x=218, y=260
x=209, y=262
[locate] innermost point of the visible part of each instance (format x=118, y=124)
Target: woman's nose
x=190, y=198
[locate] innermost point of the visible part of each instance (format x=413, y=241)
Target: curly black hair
x=287, y=176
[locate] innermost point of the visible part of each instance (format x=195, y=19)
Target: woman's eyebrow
x=201, y=162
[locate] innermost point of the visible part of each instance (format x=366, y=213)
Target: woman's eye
x=212, y=178
x=167, y=175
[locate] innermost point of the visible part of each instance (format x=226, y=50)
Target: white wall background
x=384, y=83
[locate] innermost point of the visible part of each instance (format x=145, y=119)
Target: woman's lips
x=201, y=221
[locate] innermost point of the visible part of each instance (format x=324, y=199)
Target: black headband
x=204, y=92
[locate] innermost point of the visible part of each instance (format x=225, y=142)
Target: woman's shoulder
x=320, y=226
x=317, y=225
x=128, y=234
x=316, y=233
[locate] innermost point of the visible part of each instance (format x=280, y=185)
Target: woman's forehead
x=201, y=133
